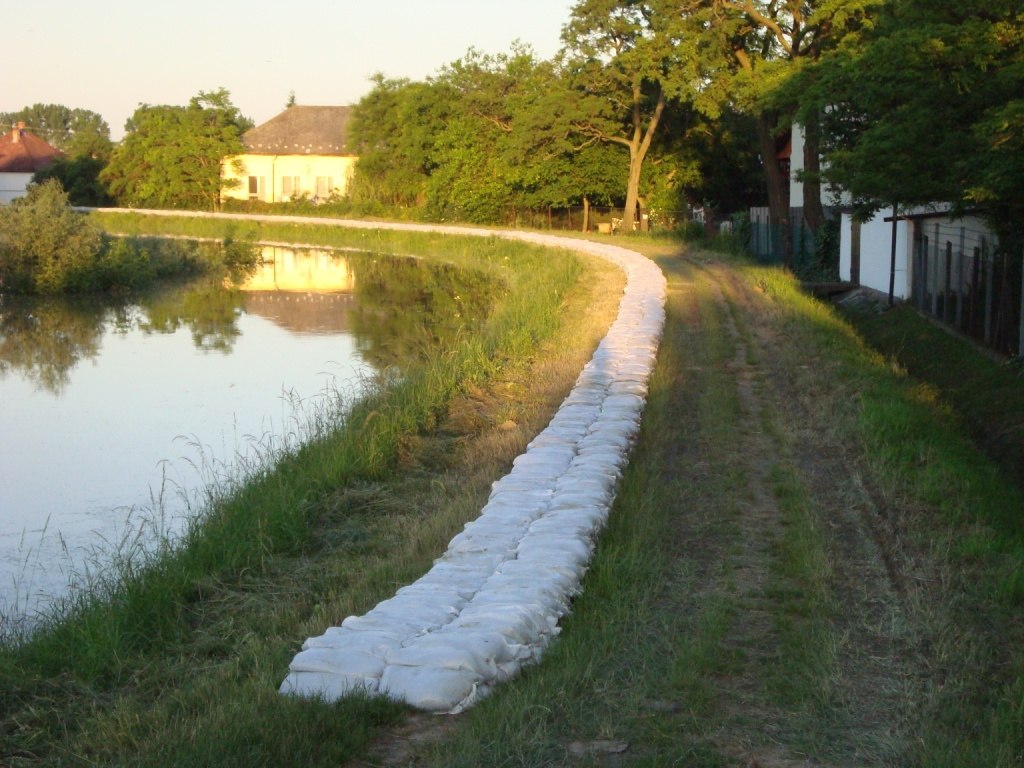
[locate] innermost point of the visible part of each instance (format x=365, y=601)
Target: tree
x=626, y=65
x=80, y=178
x=76, y=132
x=172, y=156
x=394, y=129
x=928, y=107
x=748, y=50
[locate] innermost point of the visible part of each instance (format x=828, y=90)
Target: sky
x=109, y=56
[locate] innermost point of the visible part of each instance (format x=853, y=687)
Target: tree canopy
x=929, y=107
x=171, y=156
x=76, y=132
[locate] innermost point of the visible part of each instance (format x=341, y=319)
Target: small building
x=302, y=152
x=21, y=155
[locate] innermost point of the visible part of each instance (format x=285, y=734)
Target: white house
x=301, y=152
x=21, y=155
x=928, y=244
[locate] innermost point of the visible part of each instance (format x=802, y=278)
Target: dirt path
x=827, y=656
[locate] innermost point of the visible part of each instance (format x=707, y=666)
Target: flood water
x=114, y=415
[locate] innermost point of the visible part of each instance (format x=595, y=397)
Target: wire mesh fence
x=812, y=252
x=960, y=277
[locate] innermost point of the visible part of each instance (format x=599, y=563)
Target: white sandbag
x=376, y=643
x=434, y=689
x=318, y=685
x=451, y=655
x=336, y=661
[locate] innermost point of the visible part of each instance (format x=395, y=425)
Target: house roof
x=23, y=152
x=302, y=130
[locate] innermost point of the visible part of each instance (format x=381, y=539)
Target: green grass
x=676, y=650
x=986, y=394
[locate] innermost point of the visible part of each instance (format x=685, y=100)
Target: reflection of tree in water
x=209, y=311
x=45, y=339
x=406, y=306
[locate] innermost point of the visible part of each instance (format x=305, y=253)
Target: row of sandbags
x=492, y=602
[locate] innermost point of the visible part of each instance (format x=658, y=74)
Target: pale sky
x=111, y=55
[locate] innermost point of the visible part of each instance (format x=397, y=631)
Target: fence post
x=989, y=269
x=948, y=288
x=1020, y=328
x=972, y=310
x=960, y=282
x=923, y=252
x=935, y=292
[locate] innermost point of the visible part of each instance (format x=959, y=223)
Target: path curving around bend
x=492, y=602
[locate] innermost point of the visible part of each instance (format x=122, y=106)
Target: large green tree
x=171, y=156
x=627, y=64
x=394, y=128
x=748, y=50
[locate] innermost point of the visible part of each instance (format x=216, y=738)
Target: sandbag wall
x=492, y=602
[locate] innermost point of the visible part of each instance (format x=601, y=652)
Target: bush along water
x=46, y=247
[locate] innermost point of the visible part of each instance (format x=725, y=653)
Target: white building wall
x=876, y=253
x=13, y=185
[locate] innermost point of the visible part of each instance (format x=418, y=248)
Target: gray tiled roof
x=301, y=130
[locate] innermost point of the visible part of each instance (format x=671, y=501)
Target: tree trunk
x=632, y=191
x=777, y=181
x=638, y=146
x=814, y=213
x=586, y=214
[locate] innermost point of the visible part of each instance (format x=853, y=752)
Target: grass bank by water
x=177, y=662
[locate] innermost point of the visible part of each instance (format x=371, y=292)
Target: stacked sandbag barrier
x=492, y=602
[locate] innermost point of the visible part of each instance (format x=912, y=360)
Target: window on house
x=324, y=185
x=257, y=187
x=291, y=186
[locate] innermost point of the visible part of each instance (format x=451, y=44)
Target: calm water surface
x=113, y=416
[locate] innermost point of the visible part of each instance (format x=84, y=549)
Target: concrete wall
x=12, y=185
x=279, y=172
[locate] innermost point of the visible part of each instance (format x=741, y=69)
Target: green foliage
x=394, y=128
x=76, y=132
x=927, y=107
x=172, y=156
x=80, y=178
x=46, y=247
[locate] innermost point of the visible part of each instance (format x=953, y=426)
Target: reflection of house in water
x=302, y=291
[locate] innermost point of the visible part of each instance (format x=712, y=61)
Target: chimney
x=17, y=133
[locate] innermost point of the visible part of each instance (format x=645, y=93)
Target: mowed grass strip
x=187, y=674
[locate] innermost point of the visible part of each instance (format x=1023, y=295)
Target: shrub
x=45, y=246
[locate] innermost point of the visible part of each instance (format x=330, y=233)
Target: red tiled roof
x=22, y=152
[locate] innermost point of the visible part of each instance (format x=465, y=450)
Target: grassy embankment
x=808, y=561
x=177, y=662
x=987, y=395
